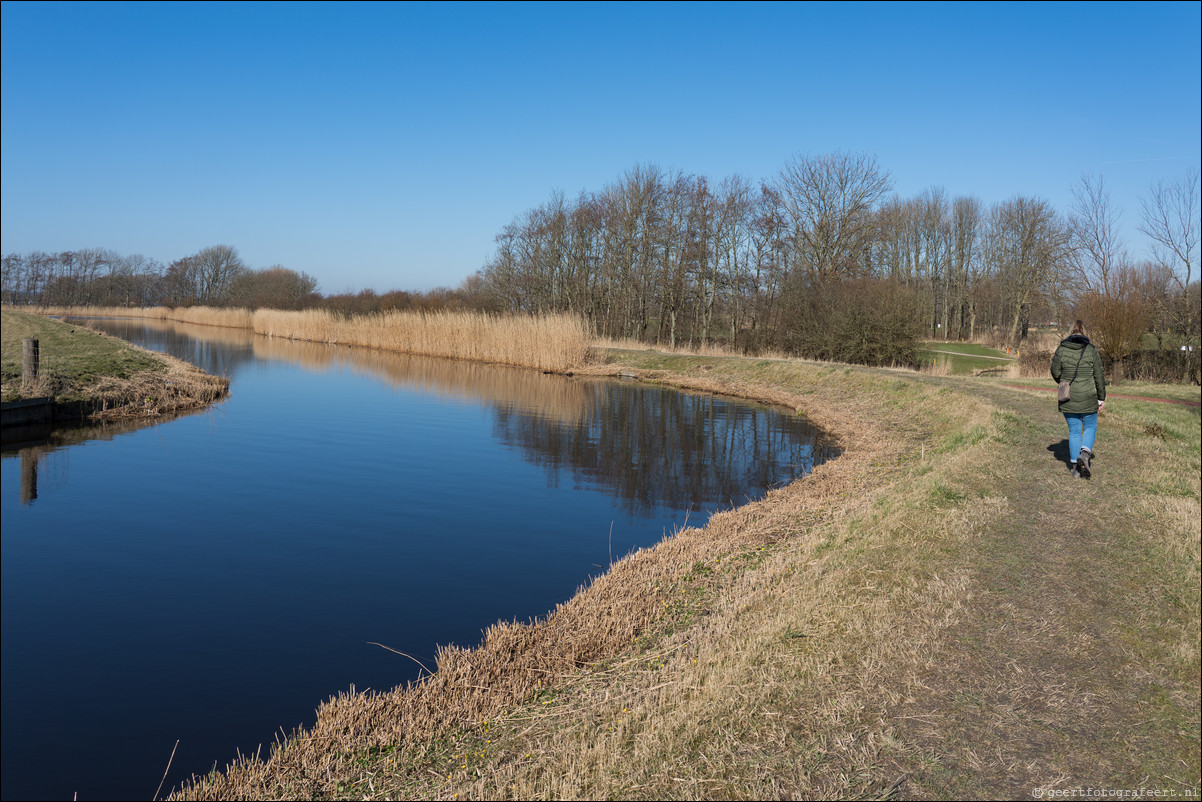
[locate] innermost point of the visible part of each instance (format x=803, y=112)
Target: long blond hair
x=1079, y=328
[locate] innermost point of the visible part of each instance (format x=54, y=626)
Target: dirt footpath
x=1057, y=678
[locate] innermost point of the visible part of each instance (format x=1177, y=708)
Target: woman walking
x=1078, y=365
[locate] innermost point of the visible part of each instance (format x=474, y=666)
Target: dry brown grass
x=547, y=342
x=711, y=349
x=148, y=394
x=801, y=646
x=1043, y=339
x=756, y=572
x=941, y=365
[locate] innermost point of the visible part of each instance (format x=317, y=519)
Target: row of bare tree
x=821, y=260
x=214, y=276
x=668, y=257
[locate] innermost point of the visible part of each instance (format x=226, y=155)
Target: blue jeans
x=1082, y=431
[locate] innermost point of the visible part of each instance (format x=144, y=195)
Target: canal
x=213, y=578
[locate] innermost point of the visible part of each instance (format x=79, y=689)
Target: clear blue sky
x=385, y=145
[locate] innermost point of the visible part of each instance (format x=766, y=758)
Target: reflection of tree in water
x=665, y=449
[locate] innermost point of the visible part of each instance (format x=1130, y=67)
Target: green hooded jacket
x=1077, y=361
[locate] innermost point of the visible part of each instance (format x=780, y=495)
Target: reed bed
x=198, y=315
x=207, y=316
x=147, y=312
x=553, y=342
x=546, y=342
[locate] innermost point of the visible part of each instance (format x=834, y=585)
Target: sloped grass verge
x=839, y=638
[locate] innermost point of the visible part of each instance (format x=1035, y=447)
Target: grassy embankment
x=941, y=612
x=92, y=375
x=545, y=342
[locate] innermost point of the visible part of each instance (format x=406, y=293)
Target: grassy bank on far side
x=94, y=376
x=940, y=612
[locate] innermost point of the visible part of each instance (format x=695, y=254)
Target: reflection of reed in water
x=652, y=448
x=221, y=335
x=560, y=398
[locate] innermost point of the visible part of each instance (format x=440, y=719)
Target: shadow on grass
x=1060, y=452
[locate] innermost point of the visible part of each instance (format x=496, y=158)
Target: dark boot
x=1083, y=462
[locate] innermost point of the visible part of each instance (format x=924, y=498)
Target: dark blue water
x=213, y=578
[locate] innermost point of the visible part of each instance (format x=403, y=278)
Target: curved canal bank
x=211, y=579
x=82, y=375
x=921, y=617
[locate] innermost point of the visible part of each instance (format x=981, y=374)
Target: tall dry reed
x=200, y=315
x=148, y=312
x=208, y=316
x=548, y=342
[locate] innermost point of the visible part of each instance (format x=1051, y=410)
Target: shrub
x=1035, y=361
x=863, y=321
x=1163, y=366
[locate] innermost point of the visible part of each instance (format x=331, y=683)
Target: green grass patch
x=963, y=358
x=70, y=357
x=963, y=348
x=968, y=437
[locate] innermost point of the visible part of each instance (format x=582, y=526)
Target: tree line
x=673, y=259
x=822, y=260
x=825, y=261
x=214, y=276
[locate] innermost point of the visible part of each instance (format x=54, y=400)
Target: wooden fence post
x=29, y=362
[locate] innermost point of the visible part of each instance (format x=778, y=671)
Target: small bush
x=1035, y=362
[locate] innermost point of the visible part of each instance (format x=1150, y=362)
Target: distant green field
x=964, y=357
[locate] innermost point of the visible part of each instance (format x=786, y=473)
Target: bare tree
x=1028, y=245
x=830, y=200
x=1098, y=250
x=1116, y=298
x=1118, y=317
x=965, y=262
x=1170, y=219
x=213, y=270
